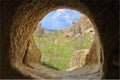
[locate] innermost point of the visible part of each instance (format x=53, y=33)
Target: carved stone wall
x=93, y=57
x=19, y=19
x=32, y=54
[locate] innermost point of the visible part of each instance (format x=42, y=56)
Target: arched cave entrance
x=19, y=24
x=65, y=45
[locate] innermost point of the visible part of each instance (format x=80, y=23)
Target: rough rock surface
x=83, y=26
x=78, y=59
x=32, y=54
x=66, y=32
x=19, y=18
x=89, y=32
x=92, y=56
x=39, y=31
x=84, y=23
x=85, y=57
x=75, y=28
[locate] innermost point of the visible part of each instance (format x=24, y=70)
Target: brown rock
x=32, y=54
x=19, y=18
x=66, y=32
x=84, y=23
x=75, y=29
x=78, y=59
x=39, y=31
x=92, y=56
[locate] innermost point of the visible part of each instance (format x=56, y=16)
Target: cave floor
x=43, y=72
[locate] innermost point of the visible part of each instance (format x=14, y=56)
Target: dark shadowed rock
x=19, y=19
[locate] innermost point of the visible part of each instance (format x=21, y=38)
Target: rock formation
x=32, y=54
x=75, y=28
x=78, y=59
x=84, y=23
x=92, y=58
x=66, y=32
x=19, y=18
x=39, y=31
x=90, y=32
x=80, y=27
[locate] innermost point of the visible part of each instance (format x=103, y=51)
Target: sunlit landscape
x=60, y=44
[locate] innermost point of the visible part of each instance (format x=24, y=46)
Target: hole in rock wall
x=64, y=38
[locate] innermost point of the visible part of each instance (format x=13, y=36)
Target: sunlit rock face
x=84, y=23
x=32, y=54
x=81, y=27
x=75, y=28
x=19, y=19
x=67, y=32
x=39, y=31
x=93, y=53
x=78, y=59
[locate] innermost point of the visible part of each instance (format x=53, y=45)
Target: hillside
x=66, y=49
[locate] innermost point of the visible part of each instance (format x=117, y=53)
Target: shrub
x=57, y=50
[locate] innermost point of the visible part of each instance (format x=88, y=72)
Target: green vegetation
x=57, y=50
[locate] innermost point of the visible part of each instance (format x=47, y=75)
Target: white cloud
x=66, y=14
x=62, y=18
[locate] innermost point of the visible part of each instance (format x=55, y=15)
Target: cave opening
x=20, y=57
x=64, y=38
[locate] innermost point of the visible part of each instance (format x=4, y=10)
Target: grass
x=57, y=50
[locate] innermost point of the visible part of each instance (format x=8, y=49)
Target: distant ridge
x=50, y=30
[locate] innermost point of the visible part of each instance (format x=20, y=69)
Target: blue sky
x=60, y=19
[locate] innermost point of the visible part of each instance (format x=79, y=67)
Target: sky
x=60, y=19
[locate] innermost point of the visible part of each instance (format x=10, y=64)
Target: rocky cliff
x=19, y=19
x=39, y=30
x=79, y=27
x=84, y=23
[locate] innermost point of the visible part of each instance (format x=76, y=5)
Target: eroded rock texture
x=19, y=19
x=78, y=59
x=32, y=54
x=92, y=57
x=84, y=23
x=79, y=28
x=39, y=31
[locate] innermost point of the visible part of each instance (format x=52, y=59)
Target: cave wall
x=93, y=56
x=19, y=19
x=105, y=16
